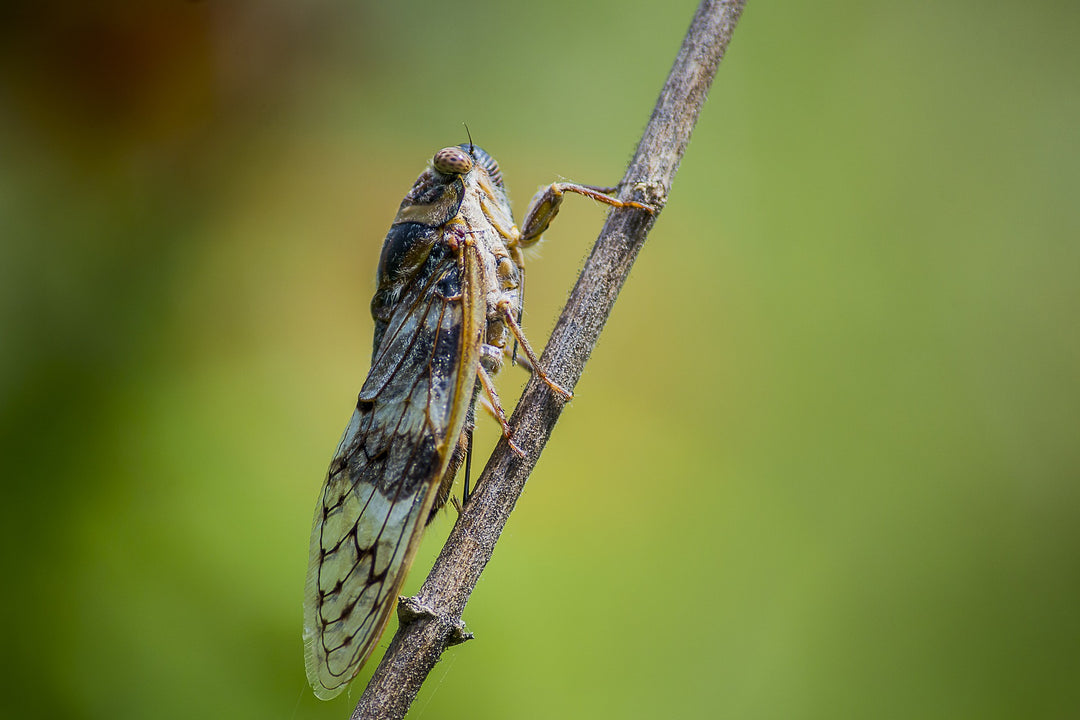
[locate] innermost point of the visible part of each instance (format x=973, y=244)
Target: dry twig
x=431, y=621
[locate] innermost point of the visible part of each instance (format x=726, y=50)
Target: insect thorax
x=439, y=214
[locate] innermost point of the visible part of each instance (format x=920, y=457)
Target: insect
x=448, y=298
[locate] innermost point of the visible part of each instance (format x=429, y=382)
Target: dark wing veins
x=384, y=474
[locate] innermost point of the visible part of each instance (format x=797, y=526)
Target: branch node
x=651, y=193
x=459, y=634
x=411, y=610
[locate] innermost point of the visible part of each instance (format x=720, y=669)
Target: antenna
x=471, y=146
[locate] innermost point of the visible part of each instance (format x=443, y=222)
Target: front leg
x=515, y=328
x=545, y=206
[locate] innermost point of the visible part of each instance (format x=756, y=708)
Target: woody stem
x=421, y=640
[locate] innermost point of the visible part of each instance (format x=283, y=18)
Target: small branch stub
x=653, y=194
x=411, y=611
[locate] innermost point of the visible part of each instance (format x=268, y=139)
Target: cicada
x=448, y=300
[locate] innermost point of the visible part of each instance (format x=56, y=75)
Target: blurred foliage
x=823, y=463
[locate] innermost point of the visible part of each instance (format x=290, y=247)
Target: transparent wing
x=382, y=480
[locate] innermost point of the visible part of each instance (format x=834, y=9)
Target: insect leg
x=500, y=415
x=515, y=328
x=521, y=312
x=460, y=454
x=523, y=361
x=468, y=470
x=545, y=206
x=489, y=408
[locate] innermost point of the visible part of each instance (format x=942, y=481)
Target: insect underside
x=449, y=295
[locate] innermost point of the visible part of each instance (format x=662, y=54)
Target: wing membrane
x=382, y=480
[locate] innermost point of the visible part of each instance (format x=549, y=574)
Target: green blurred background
x=823, y=463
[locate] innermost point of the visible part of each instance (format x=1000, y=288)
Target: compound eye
x=452, y=161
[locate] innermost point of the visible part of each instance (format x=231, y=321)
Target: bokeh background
x=823, y=464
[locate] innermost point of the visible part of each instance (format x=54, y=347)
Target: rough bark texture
x=431, y=621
